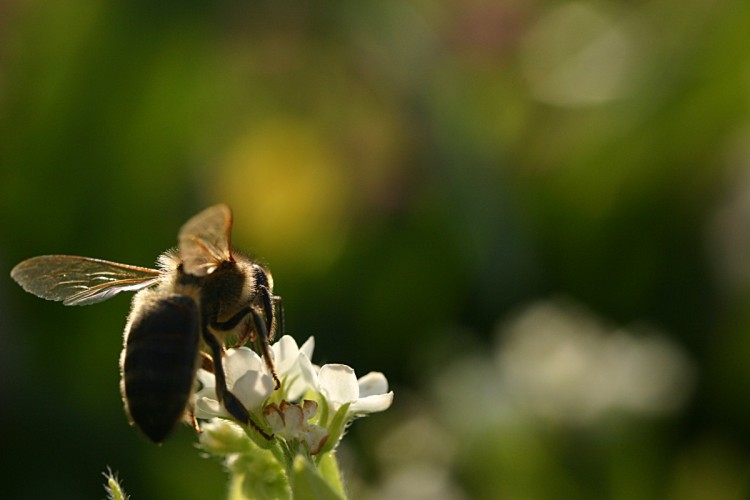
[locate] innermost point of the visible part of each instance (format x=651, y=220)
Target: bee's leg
x=264, y=330
x=261, y=341
x=261, y=334
x=263, y=286
x=191, y=420
x=232, y=322
x=194, y=423
x=207, y=362
x=278, y=317
x=233, y=405
x=247, y=334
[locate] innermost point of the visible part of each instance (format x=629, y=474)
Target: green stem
x=283, y=454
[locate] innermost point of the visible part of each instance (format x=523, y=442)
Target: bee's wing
x=78, y=281
x=205, y=240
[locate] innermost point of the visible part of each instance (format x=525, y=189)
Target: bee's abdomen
x=159, y=363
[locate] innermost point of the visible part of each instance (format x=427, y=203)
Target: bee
x=202, y=294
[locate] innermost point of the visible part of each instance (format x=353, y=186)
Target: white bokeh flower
x=559, y=361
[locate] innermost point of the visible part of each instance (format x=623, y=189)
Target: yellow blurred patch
x=288, y=189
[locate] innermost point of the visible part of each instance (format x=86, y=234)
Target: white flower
x=293, y=365
x=339, y=385
x=374, y=395
x=247, y=378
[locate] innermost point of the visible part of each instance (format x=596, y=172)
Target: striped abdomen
x=159, y=362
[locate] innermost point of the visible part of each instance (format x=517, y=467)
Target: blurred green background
x=533, y=217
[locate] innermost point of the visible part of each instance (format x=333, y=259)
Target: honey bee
x=202, y=294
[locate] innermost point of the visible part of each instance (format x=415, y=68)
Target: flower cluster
x=307, y=415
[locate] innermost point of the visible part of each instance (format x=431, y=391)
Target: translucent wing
x=205, y=240
x=79, y=281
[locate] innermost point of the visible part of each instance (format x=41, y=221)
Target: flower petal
x=308, y=347
x=315, y=437
x=274, y=418
x=241, y=360
x=338, y=384
x=207, y=379
x=373, y=383
x=372, y=404
x=294, y=420
x=208, y=408
x=285, y=354
x=309, y=408
x=296, y=387
x=308, y=370
x=253, y=388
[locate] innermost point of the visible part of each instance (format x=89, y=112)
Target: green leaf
x=329, y=469
x=336, y=428
x=308, y=484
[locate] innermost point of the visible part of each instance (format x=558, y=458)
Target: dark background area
x=417, y=176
